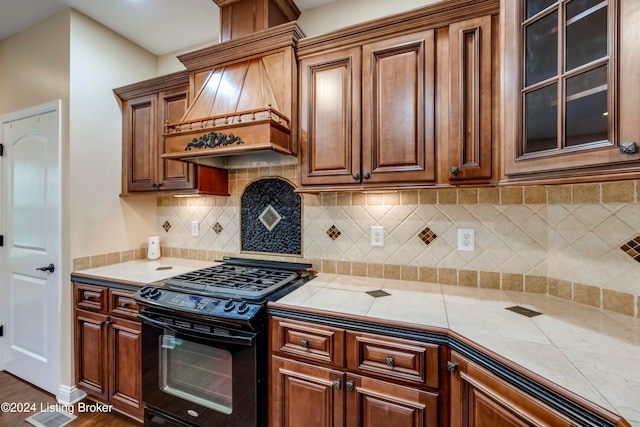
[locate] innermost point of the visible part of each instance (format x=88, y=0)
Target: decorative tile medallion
x=523, y=311
x=378, y=293
x=333, y=232
x=632, y=248
x=271, y=218
x=217, y=228
x=427, y=235
x=166, y=226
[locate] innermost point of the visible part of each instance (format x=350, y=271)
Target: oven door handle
x=248, y=339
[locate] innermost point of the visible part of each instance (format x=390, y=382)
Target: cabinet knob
x=337, y=384
x=349, y=385
x=356, y=176
x=156, y=185
x=455, y=170
x=452, y=367
x=304, y=343
x=389, y=361
x=366, y=175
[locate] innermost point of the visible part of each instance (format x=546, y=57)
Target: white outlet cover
x=466, y=239
x=377, y=235
x=194, y=228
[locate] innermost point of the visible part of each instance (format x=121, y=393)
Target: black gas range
x=204, y=342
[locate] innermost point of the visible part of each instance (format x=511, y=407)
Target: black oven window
x=197, y=373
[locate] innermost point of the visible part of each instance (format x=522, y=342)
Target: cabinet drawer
x=89, y=297
x=393, y=358
x=121, y=303
x=308, y=341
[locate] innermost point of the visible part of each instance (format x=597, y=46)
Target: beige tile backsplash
x=563, y=240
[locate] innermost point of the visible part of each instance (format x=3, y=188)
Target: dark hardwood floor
x=14, y=390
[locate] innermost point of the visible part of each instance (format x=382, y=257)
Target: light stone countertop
x=592, y=353
x=145, y=271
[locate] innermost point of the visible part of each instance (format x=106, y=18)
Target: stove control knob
x=229, y=305
x=243, y=308
x=154, y=293
x=144, y=292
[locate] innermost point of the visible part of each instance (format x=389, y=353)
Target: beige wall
x=100, y=61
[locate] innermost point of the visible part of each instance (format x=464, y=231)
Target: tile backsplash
x=564, y=240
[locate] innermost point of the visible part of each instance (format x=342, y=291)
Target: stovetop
x=234, y=291
x=234, y=280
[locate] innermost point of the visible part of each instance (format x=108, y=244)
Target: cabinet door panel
x=398, y=109
x=139, y=129
x=479, y=399
x=174, y=174
x=124, y=355
x=373, y=403
x=305, y=395
x=91, y=353
x=330, y=117
x=470, y=99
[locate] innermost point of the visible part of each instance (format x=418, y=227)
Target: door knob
x=50, y=268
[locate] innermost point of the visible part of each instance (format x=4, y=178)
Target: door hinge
x=1, y=150
x=1, y=240
x=1, y=330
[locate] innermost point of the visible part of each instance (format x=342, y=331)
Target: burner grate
x=234, y=280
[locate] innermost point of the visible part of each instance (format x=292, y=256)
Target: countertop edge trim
x=100, y=281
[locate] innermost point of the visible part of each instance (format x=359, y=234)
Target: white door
x=30, y=183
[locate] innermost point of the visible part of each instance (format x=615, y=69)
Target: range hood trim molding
x=254, y=45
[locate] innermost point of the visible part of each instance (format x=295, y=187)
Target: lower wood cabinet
x=313, y=396
x=481, y=399
x=107, y=348
x=323, y=376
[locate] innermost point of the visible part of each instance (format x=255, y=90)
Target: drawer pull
x=337, y=385
x=452, y=367
x=92, y=297
x=349, y=385
x=304, y=343
x=389, y=361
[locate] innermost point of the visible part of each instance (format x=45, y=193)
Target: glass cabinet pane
x=586, y=34
x=541, y=119
x=536, y=6
x=541, y=59
x=586, y=108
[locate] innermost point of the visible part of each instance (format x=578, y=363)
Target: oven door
x=199, y=373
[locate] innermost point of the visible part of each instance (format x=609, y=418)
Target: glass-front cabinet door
x=565, y=68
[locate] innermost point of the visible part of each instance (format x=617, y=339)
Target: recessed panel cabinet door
x=139, y=134
x=125, y=389
x=470, y=99
x=305, y=395
x=330, y=118
x=481, y=399
x=373, y=403
x=173, y=174
x=398, y=82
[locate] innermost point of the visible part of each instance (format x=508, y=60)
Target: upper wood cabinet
x=378, y=100
x=469, y=91
x=570, y=89
x=367, y=113
x=146, y=107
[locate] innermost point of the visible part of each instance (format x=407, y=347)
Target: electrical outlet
x=466, y=239
x=377, y=235
x=194, y=228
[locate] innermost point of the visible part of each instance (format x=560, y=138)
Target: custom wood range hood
x=243, y=91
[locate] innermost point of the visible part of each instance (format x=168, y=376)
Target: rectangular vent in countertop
x=523, y=311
